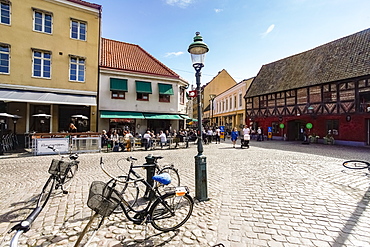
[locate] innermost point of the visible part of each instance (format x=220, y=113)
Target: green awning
x=161, y=116
x=165, y=89
x=120, y=114
x=118, y=84
x=143, y=87
x=185, y=117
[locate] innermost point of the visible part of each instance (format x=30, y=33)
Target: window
x=142, y=96
x=118, y=87
x=182, y=95
x=42, y=21
x=332, y=127
x=4, y=58
x=78, y=30
x=164, y=98
x=77, y=69
x=5, y=12
x=41, y=64
x=118, y=95
x=235, y=102
x=240, y=100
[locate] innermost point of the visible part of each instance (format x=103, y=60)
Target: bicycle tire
x=67, y=180
x=356, y=164
x=46, y=192
x=175, y=177
x=161, y=217
x=88, y=233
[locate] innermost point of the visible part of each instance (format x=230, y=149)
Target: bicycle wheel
x=170, y=211
x=70, y=173
x=88, y=233
x=46, y=192
x=175, y=177
x=356, y=164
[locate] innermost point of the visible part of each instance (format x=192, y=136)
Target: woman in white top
x=247, y=137
x=163, y=138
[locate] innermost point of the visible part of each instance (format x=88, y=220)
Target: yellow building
x=220, y=83
x=49, y=51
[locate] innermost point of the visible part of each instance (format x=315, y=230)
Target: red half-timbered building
x=327, y=88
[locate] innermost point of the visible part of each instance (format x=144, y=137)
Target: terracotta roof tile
x=130, y=57
x=345, y=58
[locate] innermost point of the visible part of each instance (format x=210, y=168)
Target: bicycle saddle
x=163, y=178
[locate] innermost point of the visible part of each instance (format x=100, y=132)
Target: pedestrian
x=246, y=137
x=104, y=138
x=163, y=138
x=259, y=134
x=209, y=135
x=234, y=136
x=218, y=135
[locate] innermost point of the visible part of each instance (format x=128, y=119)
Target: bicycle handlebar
x=109, y=175
x=24, y=226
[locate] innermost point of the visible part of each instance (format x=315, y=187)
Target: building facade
x=321, y=93
x=229, y=106
x=220, y=83
x=49, y=63
x=137, y=92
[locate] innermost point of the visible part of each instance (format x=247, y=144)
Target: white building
x=137, y=92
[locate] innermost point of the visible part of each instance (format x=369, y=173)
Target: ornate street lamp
x=212, y=97
x=198, y=50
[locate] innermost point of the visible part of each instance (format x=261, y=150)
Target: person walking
x=209, y=135
x=259, y=134
x=163, y=138
x=234, y=136
x=218, y=135
x=246, y=136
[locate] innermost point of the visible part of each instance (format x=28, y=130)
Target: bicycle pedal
x=65, y=192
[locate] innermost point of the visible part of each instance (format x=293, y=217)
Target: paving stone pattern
x=274, y=194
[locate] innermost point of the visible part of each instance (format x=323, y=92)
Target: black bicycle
x=356, y=164
x=62, y=173
x=166, y=212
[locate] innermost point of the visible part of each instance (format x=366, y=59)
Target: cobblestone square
x=273, y=194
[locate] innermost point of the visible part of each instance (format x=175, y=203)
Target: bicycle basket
x=103, y=199
x=58, y=166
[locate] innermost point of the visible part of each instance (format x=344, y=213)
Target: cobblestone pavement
x=274, y=194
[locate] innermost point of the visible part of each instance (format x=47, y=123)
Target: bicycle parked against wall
x=166, y=212
x=61, y=174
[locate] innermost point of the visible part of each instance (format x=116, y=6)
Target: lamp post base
x=201, y=178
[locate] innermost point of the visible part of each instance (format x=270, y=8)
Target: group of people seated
x=122, y=140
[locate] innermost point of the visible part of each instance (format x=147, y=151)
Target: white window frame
x=43, y=60
x=8, y=58
x=10, y=12
x=78, y=29
x=240, y=100
x=79, y=66
x=43, y=26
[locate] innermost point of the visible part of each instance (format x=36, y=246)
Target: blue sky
x=242, y=35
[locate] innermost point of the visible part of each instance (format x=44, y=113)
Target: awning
x=161, y=116
x=118, y=84
x=165, y=89
x=143, y=87
x=185, y=116
x=120, y=114
x=45, y=97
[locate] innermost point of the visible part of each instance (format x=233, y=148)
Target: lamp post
x=198, y=50
x=212, y=97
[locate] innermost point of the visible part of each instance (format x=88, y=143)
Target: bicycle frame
x=152, y=189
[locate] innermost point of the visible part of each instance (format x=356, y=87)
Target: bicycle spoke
x=172, y=213
x=46, y=192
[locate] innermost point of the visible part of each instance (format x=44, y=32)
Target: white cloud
x=179, y=3
x=269, y=30
x=174, y=54
x=218, y=10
